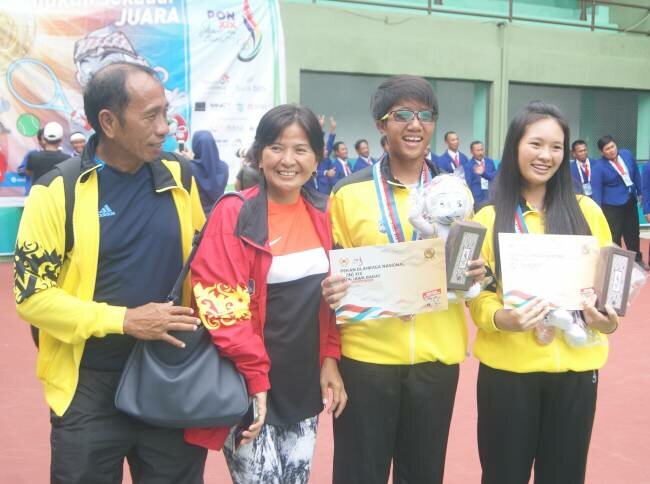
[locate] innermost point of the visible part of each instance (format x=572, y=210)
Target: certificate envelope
x=557, y=268
x=391, y=280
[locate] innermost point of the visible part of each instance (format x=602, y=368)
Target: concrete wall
x=348, y=40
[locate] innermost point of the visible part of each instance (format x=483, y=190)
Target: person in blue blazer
x=581, y=167
x=645, y=191
x=364, y=160
x=452, y=160
x=479, y=172
x=324, y=172
x=616, y=184
x=340, y=164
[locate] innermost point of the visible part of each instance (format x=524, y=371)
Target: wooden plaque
x=613, y=276
x=463, y=245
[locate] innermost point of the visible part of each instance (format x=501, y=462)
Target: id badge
x=586, y=187
x=627, y=180
x=485, y=183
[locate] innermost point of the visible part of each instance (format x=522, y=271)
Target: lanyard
x=387, y=205
x=620, y=168
x=520, y=223
x=583, y=173
x=346, y=167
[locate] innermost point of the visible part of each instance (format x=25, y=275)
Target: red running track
x=620, y=445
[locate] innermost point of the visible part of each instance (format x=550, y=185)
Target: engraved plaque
x=463, y=245
x=613, y=276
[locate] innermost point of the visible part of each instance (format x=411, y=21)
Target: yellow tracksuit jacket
x=520, y=352
x=439, y=336
x=54, y=291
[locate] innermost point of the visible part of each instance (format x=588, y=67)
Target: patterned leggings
x=279, y=454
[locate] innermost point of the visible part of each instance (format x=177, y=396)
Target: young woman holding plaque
x=536, y=402
x=256, y=281
x=401, y=373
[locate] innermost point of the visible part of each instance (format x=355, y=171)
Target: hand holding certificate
x=557, y=268
x=391, y=280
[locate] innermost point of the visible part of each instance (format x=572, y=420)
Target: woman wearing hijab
x=210, y=172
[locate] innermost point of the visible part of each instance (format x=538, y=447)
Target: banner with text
x=221, y=62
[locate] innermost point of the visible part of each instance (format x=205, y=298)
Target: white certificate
x=391, y=280
x=557, y=268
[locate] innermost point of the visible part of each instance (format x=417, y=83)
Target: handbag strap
x=176, y=294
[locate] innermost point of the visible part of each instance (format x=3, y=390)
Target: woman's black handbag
x=172, y=387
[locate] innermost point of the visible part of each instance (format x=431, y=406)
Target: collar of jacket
x=525, y=206
x=252, y=223
x=388, y=174
x=162, y=177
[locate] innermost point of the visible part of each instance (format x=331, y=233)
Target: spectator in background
x=645, y=197
x=248, y=175
x=616, y=184
x=210, y=172
x=452, y=160
x=479, y=172
x=40, y=162
x=22, y=168
x=340, y=163
x=324, y=171
x=329, y=144
x=364, y=160
x=77, y=141
x=581, y=167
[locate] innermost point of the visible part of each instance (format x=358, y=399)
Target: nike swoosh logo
x=273, y=242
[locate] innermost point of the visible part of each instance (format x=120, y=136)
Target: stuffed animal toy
x=573, y=327
x=435, y=207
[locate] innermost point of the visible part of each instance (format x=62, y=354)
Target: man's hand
x=331, y=172
x=523, y=318
x=334, y=287
x=479, y=169
x=332, y=124
x=153, y=321
x=321, y=121
x=330, y=378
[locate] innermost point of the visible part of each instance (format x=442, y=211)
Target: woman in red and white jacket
x=256, y=281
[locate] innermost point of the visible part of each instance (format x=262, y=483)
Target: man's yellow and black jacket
x=54, y=290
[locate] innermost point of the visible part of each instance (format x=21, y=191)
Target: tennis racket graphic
x=36, y=71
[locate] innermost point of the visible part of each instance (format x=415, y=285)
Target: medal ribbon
x=387, y=205
x=520, y=223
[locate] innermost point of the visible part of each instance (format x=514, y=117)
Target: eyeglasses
x=406, y=116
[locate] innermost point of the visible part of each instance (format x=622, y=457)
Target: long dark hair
x=562, y=214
